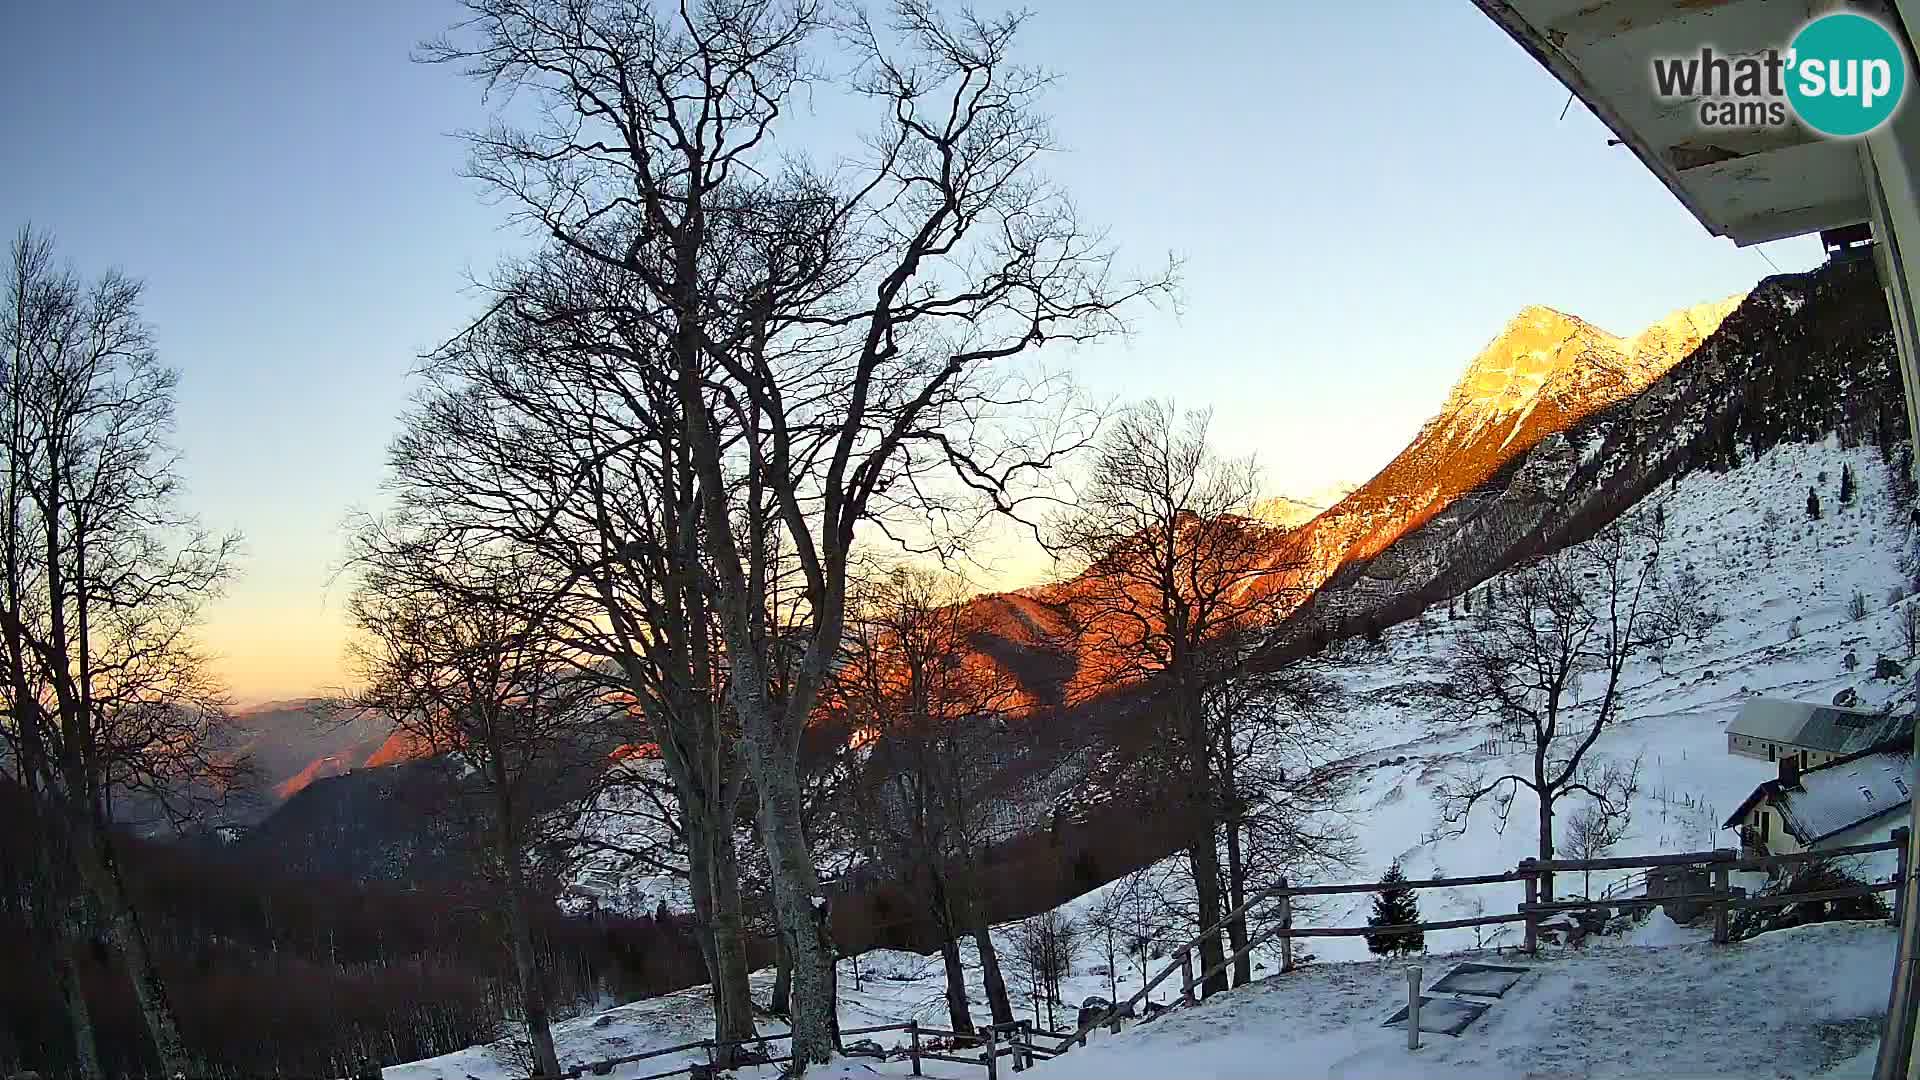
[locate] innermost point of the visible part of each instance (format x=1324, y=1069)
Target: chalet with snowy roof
x=1857, y=799
x=1772, y=730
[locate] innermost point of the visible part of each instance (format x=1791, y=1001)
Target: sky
x=1360, y=197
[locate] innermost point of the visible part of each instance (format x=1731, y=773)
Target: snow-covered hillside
x=1783, y=585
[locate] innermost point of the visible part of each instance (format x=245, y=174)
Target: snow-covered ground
x=1658, y=1001
x=1666, y=1002
x=1788, y=1004
x=887, y=988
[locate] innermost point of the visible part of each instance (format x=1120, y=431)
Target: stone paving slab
x=1480, y=980
x=1442, y=1016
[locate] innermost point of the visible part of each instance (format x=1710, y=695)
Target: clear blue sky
x=1362, y=195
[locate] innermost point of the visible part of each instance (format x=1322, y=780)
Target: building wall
x=1748, y=746
x=1872, y=831
x=1777, y=839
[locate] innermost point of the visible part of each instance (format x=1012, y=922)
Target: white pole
x=1413, y=1006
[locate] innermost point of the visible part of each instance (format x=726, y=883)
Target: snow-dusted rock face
x=1543, y=373
x=1799, y=359
x=1293, y=511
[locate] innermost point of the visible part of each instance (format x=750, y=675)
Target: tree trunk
x=123, y=929
x=64, y=912
x=732, y=994
x=782, y=1001
x=957, y=1012
x=1237, y=899
x=823, y=930
x=700, y=888
x=794, y=890
x=73, y=996
x=1546, y=845
x=533, y=994
x=1203, y=850
x=997, y=998
x=1206, y=883
x=59, y=907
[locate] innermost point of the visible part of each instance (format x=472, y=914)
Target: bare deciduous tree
x=1277, y=749
x=1596, y=827
x=107, y=693
x=1171, y=570
x=1044, y=948
x=923, y=705
x=829, y=336
x=541, y=430
x=461, y=655
x=1573, y=618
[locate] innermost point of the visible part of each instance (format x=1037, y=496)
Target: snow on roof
x=1828, y=728
x=1844, y=793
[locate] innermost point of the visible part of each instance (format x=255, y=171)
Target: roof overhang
x=1752, y=184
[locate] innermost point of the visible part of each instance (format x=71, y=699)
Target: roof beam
x=1610, y=18
x=1778, y=225
x=1714, y=147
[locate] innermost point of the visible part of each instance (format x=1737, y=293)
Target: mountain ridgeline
x=1801, y=358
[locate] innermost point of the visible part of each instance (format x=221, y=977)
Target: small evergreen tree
x=1846, y=484
x=1395, y=905
x=1813, y=505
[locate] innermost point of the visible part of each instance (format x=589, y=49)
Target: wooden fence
x=1020, y=1041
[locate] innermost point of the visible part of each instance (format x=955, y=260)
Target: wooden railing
x=1017, y=1040
x=1020, y=1040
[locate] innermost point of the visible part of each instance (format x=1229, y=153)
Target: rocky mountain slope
x=1545, y=372
x=1801, y=358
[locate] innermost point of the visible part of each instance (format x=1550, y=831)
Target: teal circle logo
x=1846, y=74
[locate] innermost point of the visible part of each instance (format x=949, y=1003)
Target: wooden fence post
x=1413, y=1006
x=1722, y=891
x=993, y=1053
x=913, y=1035
x=1186, y=976
x=1286, y=927
x=1900, y=836
x=1532, y=920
